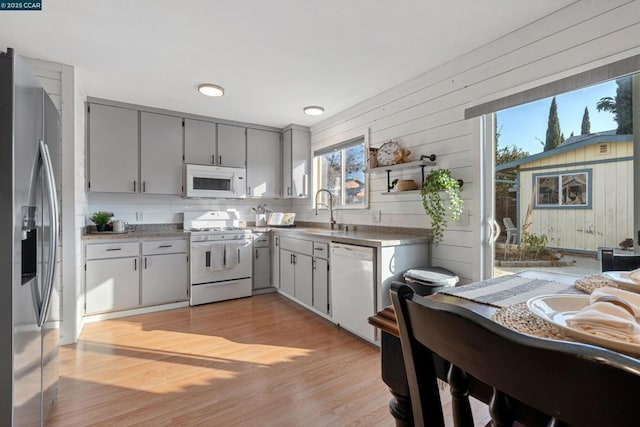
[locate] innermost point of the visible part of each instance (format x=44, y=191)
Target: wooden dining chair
x=610, y=261
x=529, y=380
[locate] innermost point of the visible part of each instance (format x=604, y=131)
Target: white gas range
x=220, y=255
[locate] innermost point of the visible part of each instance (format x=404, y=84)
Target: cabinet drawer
x=261, y=240
x=164, y=247
x=297, y=245
x=321, y=250
x=112, y=250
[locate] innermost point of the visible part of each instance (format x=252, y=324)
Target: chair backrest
x=558, y=382
x=508, y=223
x=611, y=261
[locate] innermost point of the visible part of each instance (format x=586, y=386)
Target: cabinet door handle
x=145, y=263
x=165, y=246
x=144, y=186
x=114, y=249
x=249, y=191
x=256, y=254
x=134, y=185
x=135, y=264
x=313, y=264
x=207, y=259
x=294, y=259
x=220, y=160
x=277, y=241
x=213, y=159
x=319, y=249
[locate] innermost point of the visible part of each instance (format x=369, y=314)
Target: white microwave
x=215, y=181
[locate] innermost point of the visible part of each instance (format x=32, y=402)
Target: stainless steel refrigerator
x=29, y=235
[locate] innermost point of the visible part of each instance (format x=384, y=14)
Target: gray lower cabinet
x=112, y=276
x=275, y=261
x=261, y=268
x=303, y=275
x=118, y=277
x=303, y=278
x=287, y=272
x=164, y=278
x=295, y=276
x=112, y=284
x=261, y=276
x=321, y=285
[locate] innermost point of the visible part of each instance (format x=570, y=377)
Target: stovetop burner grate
x=216, y=229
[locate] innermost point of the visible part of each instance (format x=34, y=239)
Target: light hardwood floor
x=260, y=361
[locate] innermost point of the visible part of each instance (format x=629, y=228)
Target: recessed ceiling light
x=313, y=110
x=209, y=89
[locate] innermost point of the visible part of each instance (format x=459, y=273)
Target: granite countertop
x=138, y=231
x=361, y=235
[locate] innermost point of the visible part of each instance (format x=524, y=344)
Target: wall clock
x=385, y=153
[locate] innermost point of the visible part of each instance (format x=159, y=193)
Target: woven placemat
x=519, y=318
x=587, y=284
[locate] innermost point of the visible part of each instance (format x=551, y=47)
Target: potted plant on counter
x=101, y=219
x=437, y=183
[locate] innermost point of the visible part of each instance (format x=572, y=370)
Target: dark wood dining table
x=392, y=363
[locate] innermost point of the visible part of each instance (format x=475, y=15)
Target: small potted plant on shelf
x=101, y=219
x=437, y=182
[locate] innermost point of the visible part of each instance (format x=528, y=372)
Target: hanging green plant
x=437, y=182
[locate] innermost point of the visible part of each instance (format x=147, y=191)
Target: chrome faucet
x=332, y=221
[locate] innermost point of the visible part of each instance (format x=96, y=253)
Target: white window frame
x=344, y=143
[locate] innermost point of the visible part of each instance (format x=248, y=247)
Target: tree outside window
x=342, y=172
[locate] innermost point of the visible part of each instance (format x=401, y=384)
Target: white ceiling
x=273, y=57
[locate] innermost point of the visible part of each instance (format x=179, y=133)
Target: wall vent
x=603, y=149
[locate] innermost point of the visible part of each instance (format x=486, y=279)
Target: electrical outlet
x=375, y=215
x=139, y=216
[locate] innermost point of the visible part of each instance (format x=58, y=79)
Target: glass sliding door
x=562, y=180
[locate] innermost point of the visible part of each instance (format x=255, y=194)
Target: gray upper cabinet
x=200, y=142
x=296, y=146
x=161, y=154
x=113, y=140
x=286, y=164
x=232, y=146
x=263, y=163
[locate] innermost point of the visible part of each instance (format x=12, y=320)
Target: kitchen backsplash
x=157, y=209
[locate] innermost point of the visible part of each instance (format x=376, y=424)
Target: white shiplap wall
x=59, y=82
x=71, y=331
x=426, y=114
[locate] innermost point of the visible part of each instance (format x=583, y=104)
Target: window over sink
x=341, y=169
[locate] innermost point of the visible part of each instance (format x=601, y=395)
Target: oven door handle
x=207, y=259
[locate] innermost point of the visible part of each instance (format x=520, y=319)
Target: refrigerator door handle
x=52, y=197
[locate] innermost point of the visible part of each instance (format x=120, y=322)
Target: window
x=563, y=190
x=341, y=170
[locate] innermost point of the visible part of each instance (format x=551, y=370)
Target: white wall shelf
x=396, y=192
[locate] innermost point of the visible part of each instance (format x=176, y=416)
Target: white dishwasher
x=353, y=288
